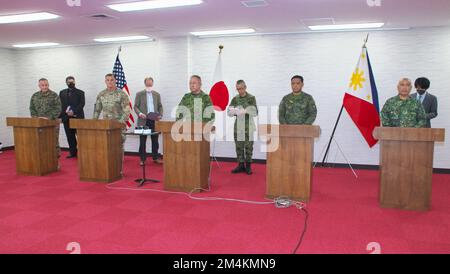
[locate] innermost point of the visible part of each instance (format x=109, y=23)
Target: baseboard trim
x=8, y=148
x=261, y=161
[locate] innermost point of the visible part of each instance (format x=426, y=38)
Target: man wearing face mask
x=72, y=102
x=428, y=101
x=148, y=102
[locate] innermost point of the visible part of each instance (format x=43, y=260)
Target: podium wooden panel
x=406, y=166
x=289, y=167
x=99, y=149
x=186, y=163
x=34, y=145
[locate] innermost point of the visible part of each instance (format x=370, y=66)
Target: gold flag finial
x=220, y=49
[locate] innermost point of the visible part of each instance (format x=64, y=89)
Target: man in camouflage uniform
x=47, y=105
x=297, y=108
x=195, y=106
x=402, y=110
x=243, y=107
x=113, y=103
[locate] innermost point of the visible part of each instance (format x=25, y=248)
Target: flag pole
x=214, y=144
x=332, y=136
x=366, y=40
x=339, y=118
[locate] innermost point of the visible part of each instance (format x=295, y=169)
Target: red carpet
x=44, y=214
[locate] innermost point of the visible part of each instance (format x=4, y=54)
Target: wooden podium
x=289, y=166
x=186, y=163
x=406, y=166
x=99, y=149
x=34, y=145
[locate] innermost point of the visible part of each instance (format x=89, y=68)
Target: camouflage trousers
x=244, y=147
x=244, y=151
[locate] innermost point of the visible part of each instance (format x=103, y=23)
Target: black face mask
x=71, y=85
x=421, y=91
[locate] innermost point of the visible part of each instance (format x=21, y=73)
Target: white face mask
x=148, y=89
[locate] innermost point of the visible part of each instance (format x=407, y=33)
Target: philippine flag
x=361, y=99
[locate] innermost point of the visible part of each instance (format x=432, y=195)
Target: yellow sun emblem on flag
x=357, y=79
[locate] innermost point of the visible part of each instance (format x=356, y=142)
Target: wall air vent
x=254, y=3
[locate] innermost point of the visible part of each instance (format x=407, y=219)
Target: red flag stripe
x=131, y=105
x=364, y=115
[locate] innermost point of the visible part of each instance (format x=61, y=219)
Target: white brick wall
x=8, y=94
x=326, y=61
x=89, y=66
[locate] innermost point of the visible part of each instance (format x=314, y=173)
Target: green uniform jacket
x=248, y=103
x=115, y=105
x=297, y=109
x=403, y=113
x=45, y=104
x=196, y=111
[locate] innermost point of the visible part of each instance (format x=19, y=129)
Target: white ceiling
x=279, y=16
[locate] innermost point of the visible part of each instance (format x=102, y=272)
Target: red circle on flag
x=219, y=96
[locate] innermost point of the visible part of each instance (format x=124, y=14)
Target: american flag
x=122, y=84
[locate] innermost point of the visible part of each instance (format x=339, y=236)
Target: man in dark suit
x=72, y=102
x=429, y=101
x=148, y=102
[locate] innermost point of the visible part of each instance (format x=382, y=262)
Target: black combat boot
x=240, y=168
x=248, y=168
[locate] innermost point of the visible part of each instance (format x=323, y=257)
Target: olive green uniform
x=47, y=104
x=297, y=109
x=244, y=125
x=115, y=105
x=193, y=106
x=403, y=113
